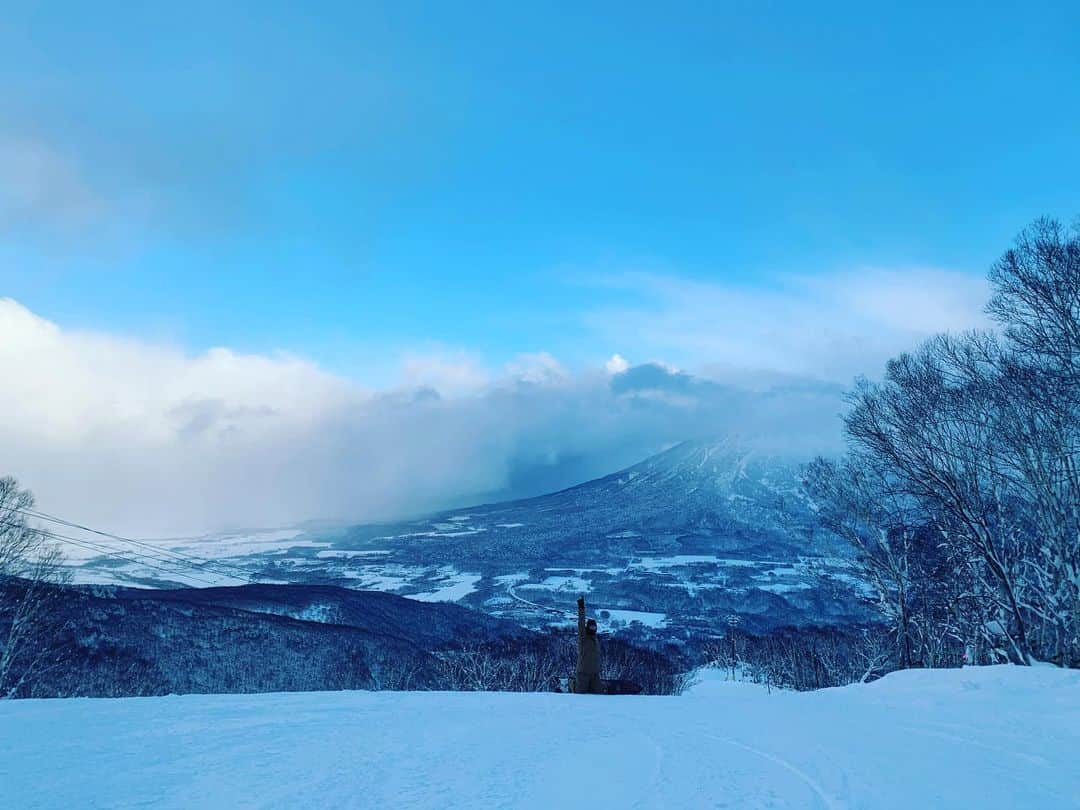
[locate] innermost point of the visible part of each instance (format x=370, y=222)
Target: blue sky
x=426, y=194
x=397, y=173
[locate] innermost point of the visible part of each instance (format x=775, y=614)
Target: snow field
x=991, y=738
x=455, y=585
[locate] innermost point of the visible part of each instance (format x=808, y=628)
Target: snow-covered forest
x=961, y=489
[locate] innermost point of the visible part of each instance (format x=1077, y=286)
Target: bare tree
x=1037, y=302
x=861, y=503
x=973, y=442
x=505, y=666
x=1037, y=298
x=395, y=672
x=934, y=426
x=30, y=570
x=872, y=655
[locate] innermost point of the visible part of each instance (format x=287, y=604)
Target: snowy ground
x=987, y=738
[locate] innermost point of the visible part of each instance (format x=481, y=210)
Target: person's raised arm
x=581, y=617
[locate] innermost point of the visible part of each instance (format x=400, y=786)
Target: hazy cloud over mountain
x=138, y=436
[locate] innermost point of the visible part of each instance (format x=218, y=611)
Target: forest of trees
x=960, y=489
x=30, y=569
x=58, y=640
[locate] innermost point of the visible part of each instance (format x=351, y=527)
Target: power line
x=218, y=567
x=171, y=572
x=87, y=544
x=214, y=566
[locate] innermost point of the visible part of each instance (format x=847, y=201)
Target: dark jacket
x=588, y=649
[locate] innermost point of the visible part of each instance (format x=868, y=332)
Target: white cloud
x=616, y=364
x=444, y=370
x=135, y=436
x=72, y=385
x=828, y=327
x=538, y=368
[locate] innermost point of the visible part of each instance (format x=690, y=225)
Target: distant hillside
x=381, y=615
x=670, y=546
x=126, y=641
x=667, y=549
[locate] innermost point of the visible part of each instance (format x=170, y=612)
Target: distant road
x=560, y=613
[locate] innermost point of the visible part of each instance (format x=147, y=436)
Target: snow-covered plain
x=987, y=738
x=453, y=586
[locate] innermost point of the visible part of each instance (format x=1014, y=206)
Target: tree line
x=960, y=488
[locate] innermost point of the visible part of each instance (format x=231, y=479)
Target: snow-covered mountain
x=993, y=737
x=673, y=545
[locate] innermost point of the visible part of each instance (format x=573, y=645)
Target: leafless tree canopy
x=30, y=568
x=538, y=664
x=960, y=492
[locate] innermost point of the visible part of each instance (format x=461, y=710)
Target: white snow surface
x=648, y=619
x=453, y=586
x=563, y=583
x=996, y=737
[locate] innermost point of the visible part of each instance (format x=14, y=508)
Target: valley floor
x=989, y=737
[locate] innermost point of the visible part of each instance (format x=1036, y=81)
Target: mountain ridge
x=667, y=547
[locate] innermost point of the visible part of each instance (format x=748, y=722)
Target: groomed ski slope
x=990, y=737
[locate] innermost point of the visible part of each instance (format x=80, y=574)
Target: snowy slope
x=988, y=738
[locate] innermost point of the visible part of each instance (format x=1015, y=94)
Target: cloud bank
x=143, y=437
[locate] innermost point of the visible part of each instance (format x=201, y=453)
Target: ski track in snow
x=955, y=738
x=826, y=800
x=913, y=739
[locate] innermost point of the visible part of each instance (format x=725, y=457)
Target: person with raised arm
x=587, y=679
